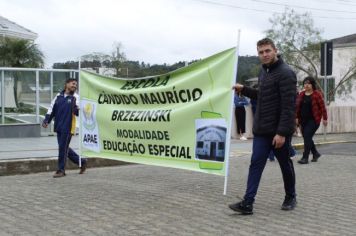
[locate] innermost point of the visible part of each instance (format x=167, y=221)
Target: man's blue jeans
x=65, y=151
x=262, y=146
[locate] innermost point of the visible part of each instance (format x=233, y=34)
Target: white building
x=210, y=143
x=13, y=30
x=102, y=71
x=344, y=56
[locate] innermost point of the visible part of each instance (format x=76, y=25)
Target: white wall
x=342, y=60
x=341, y=119
x=9, y=93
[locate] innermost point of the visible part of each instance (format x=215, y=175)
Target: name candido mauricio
x=172, y=96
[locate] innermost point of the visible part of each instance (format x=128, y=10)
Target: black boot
x=289, y=203
x=243, y=207
x=304, y=159
x=316, y=156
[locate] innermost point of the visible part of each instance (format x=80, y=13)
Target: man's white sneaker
x=243, y=138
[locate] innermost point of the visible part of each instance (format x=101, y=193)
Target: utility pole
x=326, y=68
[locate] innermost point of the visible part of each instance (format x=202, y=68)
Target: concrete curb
x=299, y=146
x=35, y=165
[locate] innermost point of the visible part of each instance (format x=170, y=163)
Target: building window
x=4, y=26
x=200, y=144
x=330, y=86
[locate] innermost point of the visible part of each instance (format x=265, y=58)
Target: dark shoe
x=59, y=174
x=242, y=207
x=303, y=161
x=316, y=157
x=289, y=203
x=83, y=168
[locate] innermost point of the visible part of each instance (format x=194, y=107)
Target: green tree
x=118, y=58
x=347, y=82
x=248, y=68
x=299, y=41
x=248, y=65
x=96, y=56
x=20, y=53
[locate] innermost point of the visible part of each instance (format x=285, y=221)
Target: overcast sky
x=163, y=31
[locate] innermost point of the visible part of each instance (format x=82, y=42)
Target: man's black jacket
x=276, y=94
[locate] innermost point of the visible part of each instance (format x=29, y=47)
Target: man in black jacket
x=273, y=125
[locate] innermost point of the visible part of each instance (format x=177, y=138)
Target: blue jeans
x=262, y=146
x=292, y=152
x=65, y=151
x=271, y=155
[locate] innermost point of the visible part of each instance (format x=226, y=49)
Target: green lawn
x=11, y=121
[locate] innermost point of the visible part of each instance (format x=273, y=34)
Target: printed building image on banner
x=211, y=139
x=162, y=120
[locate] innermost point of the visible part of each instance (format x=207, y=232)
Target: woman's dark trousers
x=308, y=129
x=240, y=115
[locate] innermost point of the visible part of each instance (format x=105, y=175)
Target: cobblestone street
x=148, y=200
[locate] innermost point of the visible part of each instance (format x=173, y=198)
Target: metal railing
x=49, y=74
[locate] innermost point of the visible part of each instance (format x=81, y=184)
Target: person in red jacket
x=310, y=110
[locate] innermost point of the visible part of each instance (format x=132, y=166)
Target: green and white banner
x=180, y=119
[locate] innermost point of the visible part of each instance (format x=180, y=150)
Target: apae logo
x=89, y=120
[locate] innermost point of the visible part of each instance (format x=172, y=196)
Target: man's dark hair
x=266, y=41
x=311, y=80
x=70, y=80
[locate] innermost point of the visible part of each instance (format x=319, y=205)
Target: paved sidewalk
x=245, y=147
x=31, y=155
x=148, y=200
x=44, y=147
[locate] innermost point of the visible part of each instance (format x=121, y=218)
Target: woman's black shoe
x=316, y=157
x=289, y=203
x=303, y=161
